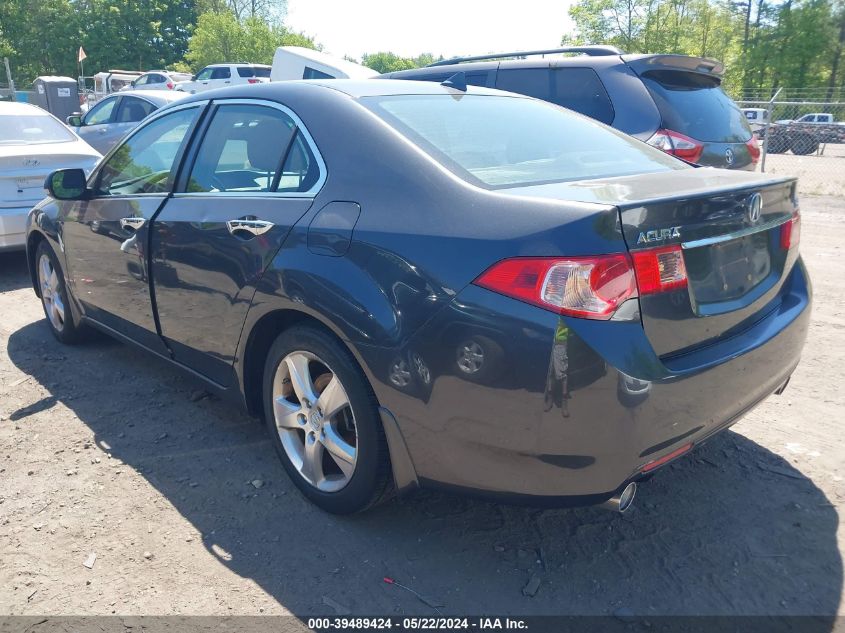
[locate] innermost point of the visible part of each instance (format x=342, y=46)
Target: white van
x=296, y=62
x=756, y=117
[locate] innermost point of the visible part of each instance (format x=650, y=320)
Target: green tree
x=221, y=37
x=387, y=62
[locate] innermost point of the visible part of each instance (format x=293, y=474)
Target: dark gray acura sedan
x=416, y=284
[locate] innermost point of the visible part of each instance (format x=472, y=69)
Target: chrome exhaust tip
x=621, y=502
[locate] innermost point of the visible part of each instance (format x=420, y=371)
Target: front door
x=96, y=125
x=105, y=237
x=253, y=177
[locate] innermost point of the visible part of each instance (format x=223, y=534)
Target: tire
x=54, y=297
x=309, y=438
x=778, y=145
x=804, y=144
x=479, y=359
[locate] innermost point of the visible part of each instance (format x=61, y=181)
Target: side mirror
x=74, y=120
x=66, y=184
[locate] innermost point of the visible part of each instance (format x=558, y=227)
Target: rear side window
x=253, y=71
x=476, y=78
x=241, y=150
x=498, y=142
x=578, y=89
x=221, y=73
x=313, y=73
x=132, y=110
x=300, y=171
x=696, y=106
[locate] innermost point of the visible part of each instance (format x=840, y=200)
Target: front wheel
x=54, y=298
x=324, y=422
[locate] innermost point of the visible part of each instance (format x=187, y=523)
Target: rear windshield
x=32, y=128
x=696, y=106
x=499, y=142
x=253, y=71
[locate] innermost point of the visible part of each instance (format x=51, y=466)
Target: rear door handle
x=253, y=227
x=132, y=224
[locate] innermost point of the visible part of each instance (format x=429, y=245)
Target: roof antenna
x=458, y=81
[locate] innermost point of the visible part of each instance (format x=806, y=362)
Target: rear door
x=250, y=178
x=130, y=112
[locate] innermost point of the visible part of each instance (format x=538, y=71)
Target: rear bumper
x=576, y=408
x=13, y=228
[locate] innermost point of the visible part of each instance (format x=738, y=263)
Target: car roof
x=236, y=64
x=158, y=97
x=355, y=88
x=375, y=88
x=19, y=109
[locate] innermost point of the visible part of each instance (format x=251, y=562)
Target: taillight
x=589, y=287
x=677, y=144
x=790, y=232
x=253, y=81
x=170, y=85
x=753, y=149
x=660, y=269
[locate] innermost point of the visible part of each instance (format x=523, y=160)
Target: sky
x=441, y=27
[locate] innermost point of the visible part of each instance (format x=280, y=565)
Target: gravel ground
x=817, y=174
x=125, y=489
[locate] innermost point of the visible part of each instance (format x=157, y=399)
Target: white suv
x=221, y=75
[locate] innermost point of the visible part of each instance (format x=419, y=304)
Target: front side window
x=101, y=113
x=145, y=162
x=143, y=81
x=498, y=142
x=241, y=150
x=204, y=74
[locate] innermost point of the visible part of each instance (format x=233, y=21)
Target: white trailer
x=296, y=62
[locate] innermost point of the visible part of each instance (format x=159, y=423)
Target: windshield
x=498, y=141
x=695, y=105
x=17, y=129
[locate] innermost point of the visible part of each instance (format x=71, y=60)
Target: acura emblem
x=729, y=156
x=755, y=206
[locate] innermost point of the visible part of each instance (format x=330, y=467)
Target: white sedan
x=33, y=143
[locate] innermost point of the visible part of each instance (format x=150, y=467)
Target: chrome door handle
x=244, y=225
x=132, y=224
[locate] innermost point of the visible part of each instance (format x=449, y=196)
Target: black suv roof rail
x=593, y=50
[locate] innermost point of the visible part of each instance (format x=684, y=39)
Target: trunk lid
x=735, y=264
x=23, y=169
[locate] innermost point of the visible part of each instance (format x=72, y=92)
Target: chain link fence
x=803, y=138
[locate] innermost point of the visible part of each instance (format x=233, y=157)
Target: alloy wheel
x=470, y=357
x=315, y=422
x=48, y=281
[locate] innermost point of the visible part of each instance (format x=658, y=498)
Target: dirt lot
x=105, y=450
x=817, y=174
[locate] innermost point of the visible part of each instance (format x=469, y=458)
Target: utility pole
x=9, y=78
